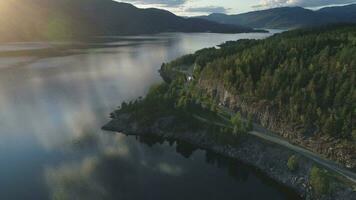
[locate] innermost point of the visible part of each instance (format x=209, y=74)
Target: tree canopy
x=308, y=75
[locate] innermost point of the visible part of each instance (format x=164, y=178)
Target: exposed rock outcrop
x=270, y=159
x=268, y=116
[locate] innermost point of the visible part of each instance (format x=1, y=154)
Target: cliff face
x=269, y=117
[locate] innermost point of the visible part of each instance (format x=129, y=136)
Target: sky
x=203, y=7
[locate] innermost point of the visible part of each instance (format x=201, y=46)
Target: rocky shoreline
x=269, y=158
x=266, y=115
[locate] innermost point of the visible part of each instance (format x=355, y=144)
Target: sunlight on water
x=54, y=102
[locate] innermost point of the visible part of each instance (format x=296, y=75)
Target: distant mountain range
x=52, y=19
x=288, y=17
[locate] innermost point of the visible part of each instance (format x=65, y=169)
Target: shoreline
x=271, y=159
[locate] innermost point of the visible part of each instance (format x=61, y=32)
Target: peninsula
x=285, y=105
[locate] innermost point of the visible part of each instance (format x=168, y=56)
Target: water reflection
x=53, y=103
x=155, y=171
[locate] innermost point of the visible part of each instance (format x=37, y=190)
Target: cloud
x=302, y=3
x=208, y=9
x=75, y=181
x=165, y=3
x=170, y=169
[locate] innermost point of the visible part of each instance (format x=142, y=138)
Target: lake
x=54, y=98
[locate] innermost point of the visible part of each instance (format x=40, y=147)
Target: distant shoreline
x=91, y=38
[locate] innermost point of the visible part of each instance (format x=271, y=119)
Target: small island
x=285, y=105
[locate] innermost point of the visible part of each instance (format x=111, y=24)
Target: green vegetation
x=175, y=100
x=192, y=109
x=198, y=60
x=83, y=19
x=162, y=100
x=354, y=135
x=293, y=163
x=307, y=76
x=239, y=126
x=288, y=17
x=319, y=180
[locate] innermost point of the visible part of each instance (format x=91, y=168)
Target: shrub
x=293, y=163
x=319, y=181
x=354, y=135
x=239, y=127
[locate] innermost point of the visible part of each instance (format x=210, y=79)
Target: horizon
x=157, y=99
x=187, y=8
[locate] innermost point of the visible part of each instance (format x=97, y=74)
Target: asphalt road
x=267, y=135
x=328, y=164
x=260, y=132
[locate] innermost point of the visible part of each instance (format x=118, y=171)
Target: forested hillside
x=307, y=77
x=58, y=19
x=289, y=17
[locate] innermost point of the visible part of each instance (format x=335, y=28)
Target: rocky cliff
x=268, y=116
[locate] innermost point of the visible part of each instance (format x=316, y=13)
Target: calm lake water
x=54, y=97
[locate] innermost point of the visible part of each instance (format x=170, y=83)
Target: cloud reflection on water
x=107, y=174
x=52, y=109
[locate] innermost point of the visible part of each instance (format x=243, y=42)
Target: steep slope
x=341, y=13
x=289, y=17
x=286, y=17
x=300, y=84
x=51, y=19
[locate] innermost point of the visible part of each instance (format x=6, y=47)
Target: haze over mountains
x=51, y=19
x=288, y=17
